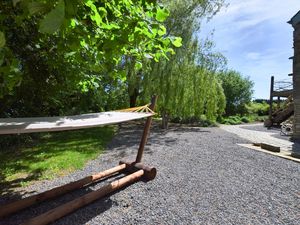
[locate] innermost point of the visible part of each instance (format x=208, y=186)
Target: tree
x=186, y=83
x=54, y=53
x=238, y=91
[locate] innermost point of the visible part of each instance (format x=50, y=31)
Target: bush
x=201, y=122
x=260, y=109
x=231, y=120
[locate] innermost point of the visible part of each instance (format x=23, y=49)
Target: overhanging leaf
x=162, y=31
x=161, y=14
x=2, y=39
x=36, y=7
x=177, y=42
x=54, y=19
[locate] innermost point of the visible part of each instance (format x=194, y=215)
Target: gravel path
x=203, y=178
x=258, y=133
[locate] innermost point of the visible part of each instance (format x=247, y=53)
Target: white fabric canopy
x=47, y=124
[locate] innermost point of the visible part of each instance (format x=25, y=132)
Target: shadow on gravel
x=128, y=138
x=78, y=217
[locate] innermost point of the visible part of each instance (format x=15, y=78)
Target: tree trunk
x=165, y=120
x=132, y=97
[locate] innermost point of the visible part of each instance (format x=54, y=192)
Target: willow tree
x=186, y=83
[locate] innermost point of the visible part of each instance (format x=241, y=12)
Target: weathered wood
x=149, y=172
x=285, y=93
x=271, y=98
x=140, y=153
x=295, y=155
x=71, y=206
x=270, y=147
x=13, y=207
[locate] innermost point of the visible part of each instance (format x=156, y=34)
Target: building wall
x=296, y=81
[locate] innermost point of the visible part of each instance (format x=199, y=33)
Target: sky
x=256, y=39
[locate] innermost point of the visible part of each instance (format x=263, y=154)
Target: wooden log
x=149, y=172
x=71, y=206
x=270, y=147
x=13, y=207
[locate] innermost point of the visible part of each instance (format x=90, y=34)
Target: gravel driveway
x=203, y=178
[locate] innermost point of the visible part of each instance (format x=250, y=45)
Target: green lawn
x=52, y=154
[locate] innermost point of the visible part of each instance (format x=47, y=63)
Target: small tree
x=238, y=91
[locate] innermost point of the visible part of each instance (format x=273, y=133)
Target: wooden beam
x=271, y=98
x=268, y=147
x=60, y=211
x=16, y=206
x=140, y=153
x=285, y=93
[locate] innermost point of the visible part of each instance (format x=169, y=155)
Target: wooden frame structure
x=276, y=117
x=135, y=169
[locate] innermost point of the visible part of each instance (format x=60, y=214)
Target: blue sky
x=256, y=39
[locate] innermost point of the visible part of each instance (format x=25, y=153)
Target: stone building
x=295, y=22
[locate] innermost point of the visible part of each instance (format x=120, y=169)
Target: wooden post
x=71, y=206
x=55, y=192
x=140, y=153
x=271, y=98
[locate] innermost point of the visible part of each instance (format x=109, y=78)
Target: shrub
x=260, y=109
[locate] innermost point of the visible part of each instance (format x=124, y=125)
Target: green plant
x=261, y=109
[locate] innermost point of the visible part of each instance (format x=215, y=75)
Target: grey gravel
x=203, y=178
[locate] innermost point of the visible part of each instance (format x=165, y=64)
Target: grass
x=53, y=154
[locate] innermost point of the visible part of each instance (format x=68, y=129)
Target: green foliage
x=53, y=20
x=52, y=154
x=2, y=40
x=232, y=120
x=261, y=109
x=201, y=121
x=238, y=91
x=56, y=55
x=186, y=83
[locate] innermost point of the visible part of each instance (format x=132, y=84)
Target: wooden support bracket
x=149, y=172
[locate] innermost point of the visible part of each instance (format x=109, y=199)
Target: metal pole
x=139, y=155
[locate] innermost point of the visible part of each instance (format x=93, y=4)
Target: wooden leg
x=145, y=132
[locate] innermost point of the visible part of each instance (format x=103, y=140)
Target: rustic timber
x=145, y=132
x=271, y=98
x=67, y=208
x=269, y=147
x=16, y=206
x=149, y=172
x=285, y=93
